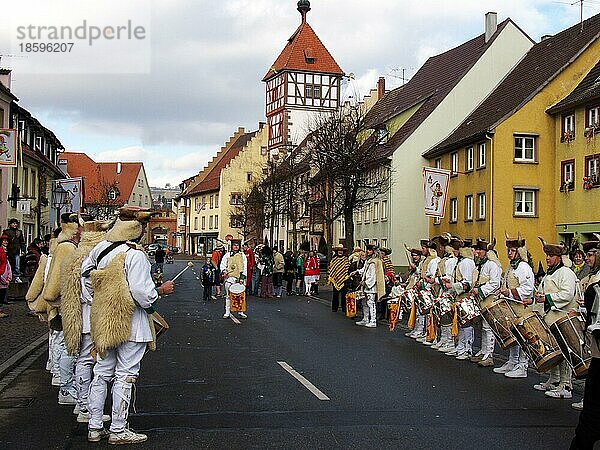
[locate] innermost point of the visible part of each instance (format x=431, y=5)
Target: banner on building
x=435, y=187
x=68, y=193
x=8, y=147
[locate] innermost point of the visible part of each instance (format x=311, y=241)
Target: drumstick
x=189, y=264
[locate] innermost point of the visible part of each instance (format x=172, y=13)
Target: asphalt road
x=217, y=384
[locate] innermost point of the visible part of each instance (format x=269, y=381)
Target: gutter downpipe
x=491, y=202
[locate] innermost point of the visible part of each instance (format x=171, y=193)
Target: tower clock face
x=275, y=93
x=276, y=127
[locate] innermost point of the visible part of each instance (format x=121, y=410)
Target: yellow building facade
x=505, y=157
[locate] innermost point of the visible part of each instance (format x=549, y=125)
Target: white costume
x=462, y=282
x=518, y=280
x=445, y=332
x=370, y=288
x=420, y=331
x=488, y=282
x=121, y=364
x=234, y=275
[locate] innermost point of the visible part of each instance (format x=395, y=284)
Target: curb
x=16, y=359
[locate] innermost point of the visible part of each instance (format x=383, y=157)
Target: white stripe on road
x=234, y=319
x=307, y=384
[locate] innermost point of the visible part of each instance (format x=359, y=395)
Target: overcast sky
x=208, y=59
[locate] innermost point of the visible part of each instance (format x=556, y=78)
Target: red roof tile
x=301, y=48
x=96, y=174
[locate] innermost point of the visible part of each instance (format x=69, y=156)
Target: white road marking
x=235, y=319
x=307, y=384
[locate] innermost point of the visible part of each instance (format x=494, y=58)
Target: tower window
x=309, y=56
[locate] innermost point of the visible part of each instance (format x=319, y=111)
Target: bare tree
x=107, y=201
x=350, y=170
x=248, y=214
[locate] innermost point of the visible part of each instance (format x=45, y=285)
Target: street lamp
x=59, y=196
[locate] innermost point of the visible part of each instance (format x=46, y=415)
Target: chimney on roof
x=546, y=36
x=380, y=87
x=491, y=25
x=5, y=78
x=119, y=167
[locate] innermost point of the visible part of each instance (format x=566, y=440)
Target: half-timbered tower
x=302, y=83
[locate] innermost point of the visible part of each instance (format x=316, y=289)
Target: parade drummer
x=517, y=285
x=427, y=274
x=234, y=266
x=557, y=292
x=487, y=281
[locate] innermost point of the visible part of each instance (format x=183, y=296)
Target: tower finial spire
x=304, y=8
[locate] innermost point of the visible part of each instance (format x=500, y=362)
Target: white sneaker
x=452, y=352
x=545, y=386
x=505, y=368
x=409, y=334
x=55, y=381
x=84, y=417
x=66, y=399
x=18, y=280
x=77, y=409
x=127, y=436
x=242, y=315
x=436, y=345
x=226, y=316
x=446, y=348
x=48, y=366
x=559, y=393
x=428, y=343
x=371, y=325
x=517, y=372
x=421, y=338
x=578, y=406
x=362, y=323
x=463, y=356
x=97, y=435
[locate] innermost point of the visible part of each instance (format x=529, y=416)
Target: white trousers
x=52, y=366
x=420, y=326
x=561, y=374
x=65, y=364
x=488, y=340
x=369, y=309
x=84, y=368
x=466, y=336
x=518, y=357
x=121, y=364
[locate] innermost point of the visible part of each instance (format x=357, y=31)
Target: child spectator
x=208, y=279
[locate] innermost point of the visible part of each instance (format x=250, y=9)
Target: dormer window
x=309, y=56
x=382, y=135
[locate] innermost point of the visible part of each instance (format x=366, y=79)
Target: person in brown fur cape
x=116, y=282
x=373, y=285
x=75, y=313
x=66, y=244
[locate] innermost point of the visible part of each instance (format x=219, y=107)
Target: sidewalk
x=18, y=330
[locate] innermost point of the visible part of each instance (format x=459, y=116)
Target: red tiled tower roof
x=304, y=52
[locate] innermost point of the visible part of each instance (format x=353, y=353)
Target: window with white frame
x=469, y=158
x=358, y=215
x=367, y=210
x=212, y=202
x=525, y=148
x=384, y=210
x=210, y=222
x=481, y=154
x=203, y=222
x=216, y=221
x=438, y=163
x=568, y=128
x=437, y=220
x=525, y=202
x=195, y=223
x=567, y=175
x=468, y=208
x=375, y=211
x=216, y=200
x=342, y=232
x=481, y=205
x=592, y=168
x=453, y=210
x=454, y=163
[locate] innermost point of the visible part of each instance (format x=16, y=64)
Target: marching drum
x=467, y=308
x=407, y=298
x=569, y=332
x=498, y=313
x=424, y=301
x=443, y=306
x=351, y=304
x=237, y=295
x=393, y=306
x=535, y=338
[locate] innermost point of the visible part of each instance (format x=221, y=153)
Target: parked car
x=322, y=262
x=153, y=247
x=174, y=250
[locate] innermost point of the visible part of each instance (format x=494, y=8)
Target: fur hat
x=236, y=241
x=482, y=244
x=456, y=242
x=592, y=245
x=416, y=252
x=4, y=237
x=338, y=248
x=128, y=226
x=553, y=249
x=424, y=242
x=512, y=242
x=386, y=251
x=371, y=247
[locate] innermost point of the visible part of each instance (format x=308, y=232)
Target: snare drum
x=467, y=309
x=351, y=304
x=443, y=305
x=406, y=299
x=535, y=338
x=424, y=301
x=498, y=313
x=393, y=306
x=569, y=332
x=237, y=295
